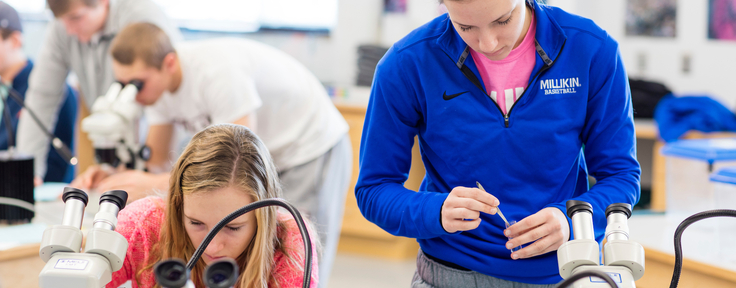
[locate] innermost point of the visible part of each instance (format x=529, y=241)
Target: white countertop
x=702, y=241
x=48, y=213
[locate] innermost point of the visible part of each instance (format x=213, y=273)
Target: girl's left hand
x=548, y=229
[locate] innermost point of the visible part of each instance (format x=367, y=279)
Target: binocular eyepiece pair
x=172, y=273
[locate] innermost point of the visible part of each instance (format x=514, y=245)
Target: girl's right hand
x=461, y=210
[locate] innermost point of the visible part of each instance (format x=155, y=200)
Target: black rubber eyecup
x=222, y=273
x=619, y=207
x=70, y=192
x=119, y=197
x=575, y=206
x=171, y=273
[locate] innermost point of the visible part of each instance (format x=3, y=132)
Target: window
x=30, y=9
x=229, y=15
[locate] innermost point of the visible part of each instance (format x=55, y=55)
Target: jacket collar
x=21, y=79
x=549, y=36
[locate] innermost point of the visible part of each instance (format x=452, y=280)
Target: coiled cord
x=253, y=206
x=678, y=237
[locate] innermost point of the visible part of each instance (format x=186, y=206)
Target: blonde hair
x=220, y=156
x=144, y=41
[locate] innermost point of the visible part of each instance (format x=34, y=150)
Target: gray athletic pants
x=318, y=189
x=431, y=274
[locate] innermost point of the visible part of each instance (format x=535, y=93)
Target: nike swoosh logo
x=448, y=97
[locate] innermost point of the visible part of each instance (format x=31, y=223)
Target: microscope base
x=620, y=275
x=75, y=270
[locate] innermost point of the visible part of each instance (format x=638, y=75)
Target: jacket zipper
x=473, y=78
x=534, y=80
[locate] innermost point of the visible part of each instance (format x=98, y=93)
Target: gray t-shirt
x=91, y=62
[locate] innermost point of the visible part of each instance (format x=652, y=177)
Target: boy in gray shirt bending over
x=78, y=40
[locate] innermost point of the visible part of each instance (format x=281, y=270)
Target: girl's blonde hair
x=222, y=156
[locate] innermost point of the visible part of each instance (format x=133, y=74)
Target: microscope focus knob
x=145, y=153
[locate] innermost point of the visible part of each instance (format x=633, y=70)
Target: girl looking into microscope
x=224, y=168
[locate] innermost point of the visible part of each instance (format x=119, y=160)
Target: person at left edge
x=15, y=69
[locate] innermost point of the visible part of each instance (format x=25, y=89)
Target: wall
x=712, y=62
x=331, y=57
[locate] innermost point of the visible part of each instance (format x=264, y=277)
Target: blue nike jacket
x=573, y=120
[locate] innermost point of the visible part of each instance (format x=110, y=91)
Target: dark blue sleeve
x=609, y=138
x=14, y=110
x=391, y=123
x=59, y=170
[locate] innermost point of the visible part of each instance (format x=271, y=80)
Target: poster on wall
x=722, y=19
x=651, y=18
x=394, y=6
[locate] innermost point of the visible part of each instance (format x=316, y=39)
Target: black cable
x=8, y=122
x=678, y=237
x=58, y=145
x=587, y=273
x=253, y=206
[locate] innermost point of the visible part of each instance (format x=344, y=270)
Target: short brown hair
x=5, y=33
x=143, y=41
x=60, y=7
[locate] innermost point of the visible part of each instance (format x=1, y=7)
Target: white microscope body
x=113, y=127
x=104, y=251
x=623, y=258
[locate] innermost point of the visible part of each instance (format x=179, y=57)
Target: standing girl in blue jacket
x=524, y=98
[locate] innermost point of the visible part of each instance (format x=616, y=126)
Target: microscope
x=113, y=127
x=173, y=273
x=623, y=259
x=104, y=251
x=223, y=273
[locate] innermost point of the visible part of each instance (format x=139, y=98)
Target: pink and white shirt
x=505, y=80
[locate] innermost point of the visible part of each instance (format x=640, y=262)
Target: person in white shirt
x=238, y=81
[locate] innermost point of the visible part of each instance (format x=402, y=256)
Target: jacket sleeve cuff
x=433, y=217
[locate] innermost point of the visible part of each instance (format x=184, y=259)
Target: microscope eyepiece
x=111, y=202
x=171, y=273
x=70, y=193
x=118, y=197
x=619, y=207
x=574, y=206
x=222, y=273
x=137, y=83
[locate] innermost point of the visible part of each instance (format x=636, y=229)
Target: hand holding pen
x=508, y=224
x=545, y=231
x=461, y=210
x=498, y=209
